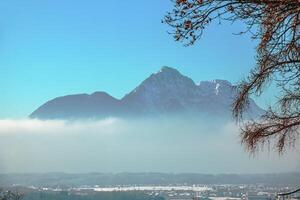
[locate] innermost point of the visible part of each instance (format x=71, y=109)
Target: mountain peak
x=100, y=94
x=166, y=69
x=165, y=77
x=222, y=82
x=215, y=82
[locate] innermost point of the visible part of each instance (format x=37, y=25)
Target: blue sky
x=51, y=48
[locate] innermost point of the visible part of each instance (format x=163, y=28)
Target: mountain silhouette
x=162, y=93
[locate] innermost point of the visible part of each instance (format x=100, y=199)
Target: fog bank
x=119, y=145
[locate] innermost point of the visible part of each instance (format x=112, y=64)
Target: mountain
x=98, y=104
x=164, y=92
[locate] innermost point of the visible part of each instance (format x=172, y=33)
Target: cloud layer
x=118, y=145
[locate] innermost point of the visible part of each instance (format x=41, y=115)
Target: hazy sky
x=51, y=48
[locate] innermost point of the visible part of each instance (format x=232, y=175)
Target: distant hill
x=164, y=92
x=110, y=179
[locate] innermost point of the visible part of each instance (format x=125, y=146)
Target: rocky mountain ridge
x=164, y=92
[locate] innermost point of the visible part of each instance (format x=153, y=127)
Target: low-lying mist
x=132, y=145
